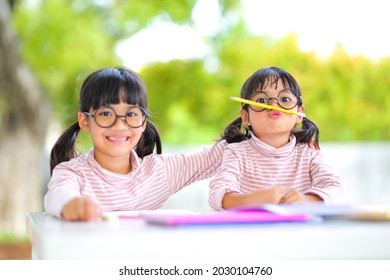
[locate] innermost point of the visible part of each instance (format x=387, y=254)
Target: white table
x=52, y=238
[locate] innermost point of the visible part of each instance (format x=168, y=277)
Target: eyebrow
x=266, y=91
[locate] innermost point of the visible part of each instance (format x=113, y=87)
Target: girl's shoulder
x=241, y=144
x=74, y=163
x=239, y=148
x=304, y=148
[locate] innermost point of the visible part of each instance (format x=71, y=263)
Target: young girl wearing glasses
x=273, y=156
x=120, y=172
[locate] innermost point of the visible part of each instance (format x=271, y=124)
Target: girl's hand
x=256, y=198
x=80, y=209
x=265, y=196
x=296, y=197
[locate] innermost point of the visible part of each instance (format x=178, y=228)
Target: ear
x=144, y=125
x=300, y=110
x=83, y=121
x=245, y=117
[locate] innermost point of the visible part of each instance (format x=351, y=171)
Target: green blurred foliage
x=63, y=40
x=11, y=238
x=348, y=97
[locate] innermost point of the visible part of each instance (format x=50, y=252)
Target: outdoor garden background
x=48, y=47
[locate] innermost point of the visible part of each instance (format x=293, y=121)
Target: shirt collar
x=134, y=159
x=271, y=151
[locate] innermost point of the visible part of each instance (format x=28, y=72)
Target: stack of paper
x=367, y=212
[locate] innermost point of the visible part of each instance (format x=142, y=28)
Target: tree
x=23, y=123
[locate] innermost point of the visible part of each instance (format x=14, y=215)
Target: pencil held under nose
x=266, y=106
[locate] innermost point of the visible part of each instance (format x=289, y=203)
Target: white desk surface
x=52, y=238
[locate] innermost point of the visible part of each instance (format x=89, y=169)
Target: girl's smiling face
x=112, y=145
x=271, y=126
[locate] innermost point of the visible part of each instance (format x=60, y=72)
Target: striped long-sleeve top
x=253, y=164
x=151, y=182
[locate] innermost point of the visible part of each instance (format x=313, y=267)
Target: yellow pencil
x=370, y=216
x=266, y=106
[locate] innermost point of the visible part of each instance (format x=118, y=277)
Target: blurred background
x=193, y=55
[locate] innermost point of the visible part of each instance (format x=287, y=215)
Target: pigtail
x=235, y=132
x=64, y=149
x=149, y=139
x=309, y=134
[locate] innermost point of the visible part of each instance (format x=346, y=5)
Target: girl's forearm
x=232, y=200
x=311, y=197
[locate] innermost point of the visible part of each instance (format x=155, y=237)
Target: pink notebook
x=220, y=217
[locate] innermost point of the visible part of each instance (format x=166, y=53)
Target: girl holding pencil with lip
x=273, y=154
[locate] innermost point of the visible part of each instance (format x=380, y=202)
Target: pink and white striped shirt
x=151, y=182
x=253, y=164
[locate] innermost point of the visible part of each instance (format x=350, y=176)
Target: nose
x=274, y=103
x=120, y=121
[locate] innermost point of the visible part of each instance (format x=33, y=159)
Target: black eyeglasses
x=286, y=99
x=106, y=116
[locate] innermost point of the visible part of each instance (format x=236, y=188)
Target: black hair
x=308, y=132
x=104, y=87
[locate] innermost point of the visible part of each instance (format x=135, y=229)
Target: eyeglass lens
x=106, y=116
x=286, y=99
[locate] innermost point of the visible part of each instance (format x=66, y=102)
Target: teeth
x=118, y=139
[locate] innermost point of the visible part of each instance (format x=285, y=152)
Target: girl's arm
x=225, y=188
x=325, y=183
x=64, y=186
x=184, y=169
x=80, y=209
x=256, y=198
x=296, y=197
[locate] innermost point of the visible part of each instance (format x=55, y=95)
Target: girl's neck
x=120, y=165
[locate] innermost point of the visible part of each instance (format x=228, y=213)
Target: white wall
x=364, y=169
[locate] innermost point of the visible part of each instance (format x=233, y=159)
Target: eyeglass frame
x=276, y=99
x=144, y=113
